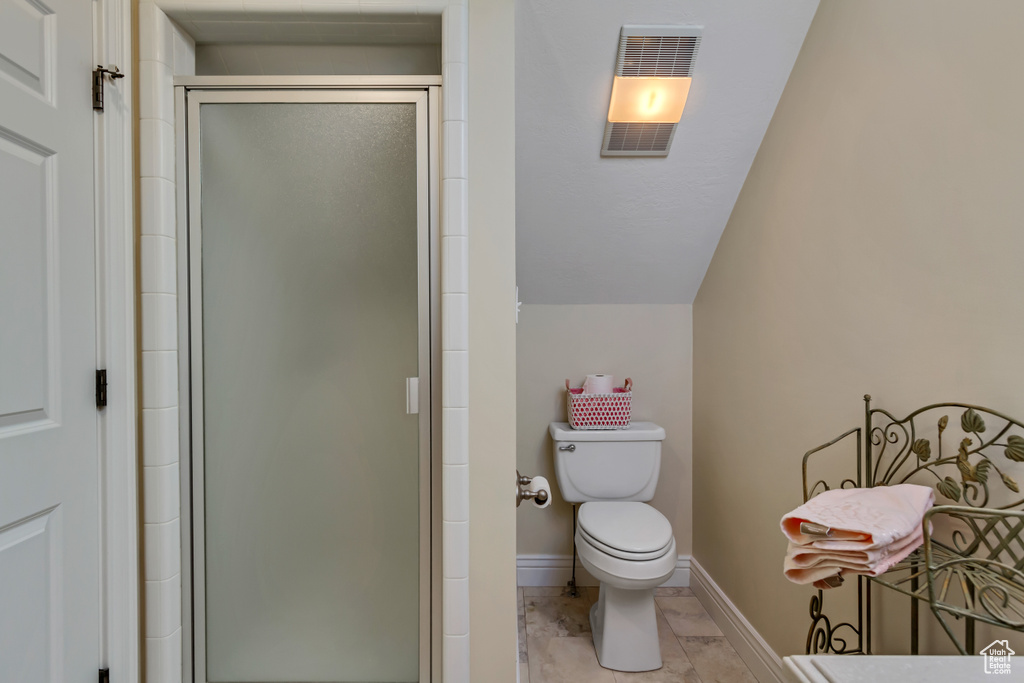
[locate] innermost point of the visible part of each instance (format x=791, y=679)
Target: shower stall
x=309, y=316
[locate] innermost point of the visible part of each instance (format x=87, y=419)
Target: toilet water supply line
x=574, y=592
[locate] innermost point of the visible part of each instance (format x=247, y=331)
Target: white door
x=49, y=502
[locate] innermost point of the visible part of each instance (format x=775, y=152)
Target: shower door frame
x=190, y=94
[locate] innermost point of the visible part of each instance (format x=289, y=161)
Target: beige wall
x=492, y=341
x=257, y=59
x=649, y=343
x=875, y=248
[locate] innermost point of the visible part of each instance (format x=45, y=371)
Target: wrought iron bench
x=971, y=565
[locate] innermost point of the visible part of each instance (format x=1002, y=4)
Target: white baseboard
x=556, y=570
x=550, y=570
x=759, y=657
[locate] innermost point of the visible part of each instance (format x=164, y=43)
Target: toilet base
x=625, y=629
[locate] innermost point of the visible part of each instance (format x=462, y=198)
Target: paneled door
x=49, y=491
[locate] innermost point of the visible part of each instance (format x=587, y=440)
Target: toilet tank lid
x=637, y=431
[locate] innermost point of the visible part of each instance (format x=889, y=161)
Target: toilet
x=624, y=543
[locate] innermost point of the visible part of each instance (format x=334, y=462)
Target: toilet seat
x=627, y=544
x=626, y=573
x=627, y=530
x=622, y=554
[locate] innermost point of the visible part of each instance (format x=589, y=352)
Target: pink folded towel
x=867, y=531
x=805, y=571
x=861, y=519
x=803, y=556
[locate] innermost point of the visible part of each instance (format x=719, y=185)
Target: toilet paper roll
x=598, y=384
x=538, y=484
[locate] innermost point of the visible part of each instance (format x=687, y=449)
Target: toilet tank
x=612, y=464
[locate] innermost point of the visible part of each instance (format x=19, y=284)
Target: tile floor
x=555, y=644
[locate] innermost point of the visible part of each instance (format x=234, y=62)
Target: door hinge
x=101, y=388
x=104, y=675
x=99, y=75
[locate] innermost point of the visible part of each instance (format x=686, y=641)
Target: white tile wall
x=455, y=275
x=455, y=436
x=455, y=102
x=164, y=50
x=454, y=334
x=155, y=102
x=162, y=544
x=456, y=619
x=155, y=35
x=156, y=159
x=160, y=486
x=160, y=436
x=455, y=37
x=163, y=607
x=159, y=322
x=184, y=53
x=163, y=659
x=159, y=379
x=454, y=160
x=157, y=251
x=455, y=378
x=455, y=651
x=456, y=194
x=454, y=508
x=455, y=345
x=456, y=561
x=158, y=207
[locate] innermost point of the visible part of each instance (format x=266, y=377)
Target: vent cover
x=650, y=52
x=637, y=139
x=652, y=56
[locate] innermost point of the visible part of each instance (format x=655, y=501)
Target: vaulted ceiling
x=637, y=230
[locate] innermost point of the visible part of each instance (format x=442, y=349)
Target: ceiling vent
x=637, y=139
x=650, y=52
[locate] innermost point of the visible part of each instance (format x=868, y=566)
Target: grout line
x=521, y=599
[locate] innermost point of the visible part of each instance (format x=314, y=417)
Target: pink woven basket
x=599, y=411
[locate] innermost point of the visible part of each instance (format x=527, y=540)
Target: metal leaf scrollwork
x=971, y=422
x=981, y=471
x=1014, y=448
x=904, y=452
x=923, y=449
x=972, y=562
x=949, y=488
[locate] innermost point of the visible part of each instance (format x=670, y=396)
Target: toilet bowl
x=624, y=543
x=630, y=549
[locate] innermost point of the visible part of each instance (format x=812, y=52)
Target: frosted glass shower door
x=309, y=307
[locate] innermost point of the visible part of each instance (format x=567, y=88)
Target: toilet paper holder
x=522, y=494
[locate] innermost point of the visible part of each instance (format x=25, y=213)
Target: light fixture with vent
x=652, y=81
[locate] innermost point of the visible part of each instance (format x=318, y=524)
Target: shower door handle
x=412, y=395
